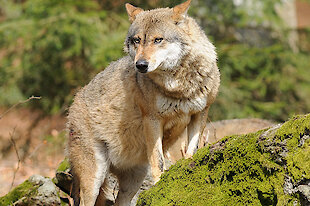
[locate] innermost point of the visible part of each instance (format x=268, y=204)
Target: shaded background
x=52, y=48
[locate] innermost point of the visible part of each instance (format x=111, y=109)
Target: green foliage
x=51, y=48
x=239, y=170
x=226, y=20
x=271, y=82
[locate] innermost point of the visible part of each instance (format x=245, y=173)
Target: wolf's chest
x=167, y=105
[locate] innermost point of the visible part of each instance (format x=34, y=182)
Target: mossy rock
x=21, y=193
x=37, y=190
x=270, y=167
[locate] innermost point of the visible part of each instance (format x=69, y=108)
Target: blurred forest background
x=51, y=48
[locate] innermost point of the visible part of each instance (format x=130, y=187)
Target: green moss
x=63, y=166
x=296, y=162
x=239, y=170
x=26, y=189
x=298, y=153
x=63, y=178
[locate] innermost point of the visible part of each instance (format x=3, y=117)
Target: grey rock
x=301, y=187
x=302, y=140
x=305, y=190
x=38, y=179
x=288, y=186
x=47, y=192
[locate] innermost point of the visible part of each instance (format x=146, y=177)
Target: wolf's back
x=108, y=82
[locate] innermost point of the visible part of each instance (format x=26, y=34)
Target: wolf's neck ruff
x=188, y=80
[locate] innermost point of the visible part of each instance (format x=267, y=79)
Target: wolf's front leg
x=195, y=132
x=153, y=132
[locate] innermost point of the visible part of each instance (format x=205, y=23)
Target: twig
x=18, y=163
x=35, y=150
x=15, y=105
x=70, y=199
x=19, y=202
x=71, y=202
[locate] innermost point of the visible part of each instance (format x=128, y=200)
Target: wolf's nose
x=142, y=65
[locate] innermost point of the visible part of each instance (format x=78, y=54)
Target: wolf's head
x=157, y=38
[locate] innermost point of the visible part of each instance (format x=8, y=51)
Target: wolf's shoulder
x=113, y=72
x=122, y=65
x=108, y=79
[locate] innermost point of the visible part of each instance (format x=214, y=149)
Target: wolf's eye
x=136, y=40
x=158, y=40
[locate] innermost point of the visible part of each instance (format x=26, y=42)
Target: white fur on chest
x=167, y=105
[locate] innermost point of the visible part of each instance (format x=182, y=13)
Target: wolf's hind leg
x=129, y=183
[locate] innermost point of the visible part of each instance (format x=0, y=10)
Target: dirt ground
x=29, y=144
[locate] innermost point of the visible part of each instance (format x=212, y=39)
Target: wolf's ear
x=132, y=11
x=179, y=11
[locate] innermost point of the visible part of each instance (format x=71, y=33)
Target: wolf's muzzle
x=142, y=65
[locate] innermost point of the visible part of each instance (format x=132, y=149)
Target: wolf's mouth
x=142, y=71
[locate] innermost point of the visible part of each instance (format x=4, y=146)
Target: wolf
x=126, y=118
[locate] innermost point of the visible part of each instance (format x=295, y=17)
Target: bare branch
x=19, y=161
x=71, y=202
x=15, y=105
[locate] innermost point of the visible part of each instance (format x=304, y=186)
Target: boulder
x=269, y=167
x=37, y=190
